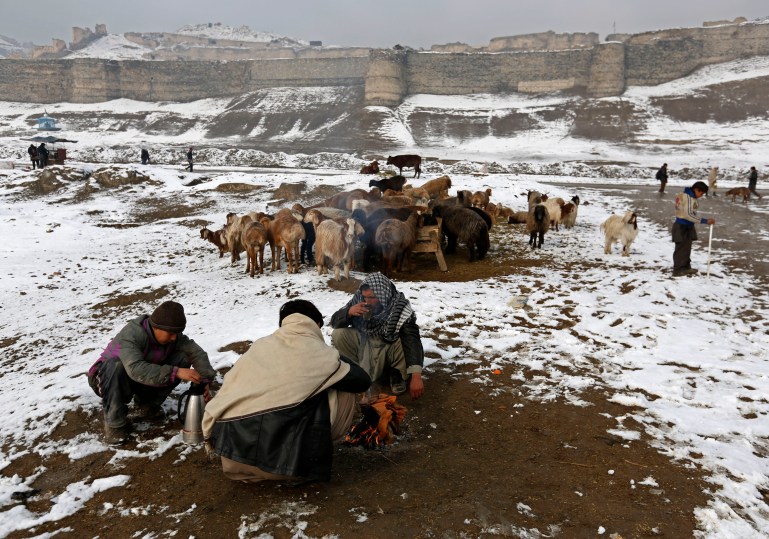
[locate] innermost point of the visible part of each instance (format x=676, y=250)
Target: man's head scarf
x=395, y=308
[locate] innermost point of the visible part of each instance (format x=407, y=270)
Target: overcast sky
x=381, y=23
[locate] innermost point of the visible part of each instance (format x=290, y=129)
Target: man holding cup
x=377, y=329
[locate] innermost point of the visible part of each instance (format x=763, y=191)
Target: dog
x=623, y=229
x=743, y=192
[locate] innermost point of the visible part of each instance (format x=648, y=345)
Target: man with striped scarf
x=377, y=328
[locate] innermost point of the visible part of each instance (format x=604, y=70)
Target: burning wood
x=381, y=421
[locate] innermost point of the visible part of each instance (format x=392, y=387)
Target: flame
x=380, y=423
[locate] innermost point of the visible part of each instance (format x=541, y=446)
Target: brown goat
x=286, y=232
x=480, y=199
x=371, y=168
x=437, y=186
x=234, y=227
x=254, y=238
x=218, y=238
x=406, y=161
x=396, y=239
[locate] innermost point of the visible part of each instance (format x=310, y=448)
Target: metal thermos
x=190, y=408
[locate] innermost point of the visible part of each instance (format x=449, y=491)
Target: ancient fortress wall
x=468, y=73
x=657, y=57
x=96, y=80
x=389, y=75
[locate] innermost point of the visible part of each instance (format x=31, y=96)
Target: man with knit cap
x=147, y=359
x=284, y=403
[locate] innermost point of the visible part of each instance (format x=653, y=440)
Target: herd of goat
x=386, y=220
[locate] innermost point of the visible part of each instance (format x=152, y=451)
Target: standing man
x=189, y=160
x=753, y=181
x=145, y=362
x=32, y=151
x=377, y=329
x=684, y=232
x=145, y=156
x=42, y=156
x=662, y=176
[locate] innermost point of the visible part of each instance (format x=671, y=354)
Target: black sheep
x=465, y=225
x=393, y=182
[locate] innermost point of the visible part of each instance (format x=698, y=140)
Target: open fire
x=380, y=423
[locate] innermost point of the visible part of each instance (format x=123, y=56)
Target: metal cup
x=367, y=313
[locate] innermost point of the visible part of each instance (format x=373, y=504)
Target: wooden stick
x=575, y=464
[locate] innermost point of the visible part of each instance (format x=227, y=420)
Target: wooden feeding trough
x=429, y=241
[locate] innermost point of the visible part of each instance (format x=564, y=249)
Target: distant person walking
x=189, y=160
x=145, y=157
x=32, y=151
x=753, y=181
x=684, y=232
x=712, y=185
x=42, y=156
x=662, y=176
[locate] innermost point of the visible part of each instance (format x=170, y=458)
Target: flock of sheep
x=386, y=220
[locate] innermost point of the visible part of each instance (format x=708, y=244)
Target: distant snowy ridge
x=241, y=33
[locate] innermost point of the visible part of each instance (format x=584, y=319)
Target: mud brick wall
x=467, y=73
x=390, y=75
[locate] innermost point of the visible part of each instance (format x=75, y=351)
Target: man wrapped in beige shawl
x=284, y=402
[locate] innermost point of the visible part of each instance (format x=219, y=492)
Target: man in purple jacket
x=147, y=359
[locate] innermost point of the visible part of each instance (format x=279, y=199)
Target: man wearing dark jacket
x=145, y=362
x=377, y=328
x=662, y=176
x=32, y=151
x=42, y=156
x=284, y=403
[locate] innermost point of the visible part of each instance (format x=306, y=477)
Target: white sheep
x=620, y=229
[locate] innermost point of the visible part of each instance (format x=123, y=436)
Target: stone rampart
x=388, y=75
x=449, y=74
x=96, y=80
x=543, y=41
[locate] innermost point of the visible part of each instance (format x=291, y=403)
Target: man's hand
x=359, y=309
x=711, y=221
x=191, y=375
x=416, y=387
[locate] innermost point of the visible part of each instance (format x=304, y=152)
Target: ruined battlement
x=533, y=63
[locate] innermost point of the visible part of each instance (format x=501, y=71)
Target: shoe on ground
x=397, y=384
x=691, y=271
x=151, y=412
x=117, y=435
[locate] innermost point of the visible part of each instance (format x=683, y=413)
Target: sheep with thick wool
x=622, y=229
x=396, y=239
x=464, y=225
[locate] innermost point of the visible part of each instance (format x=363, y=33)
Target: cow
x=406, y=161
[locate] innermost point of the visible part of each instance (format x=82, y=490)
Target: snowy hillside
x=240, y=33
x=718, y=112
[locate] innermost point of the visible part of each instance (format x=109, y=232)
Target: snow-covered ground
x=687, y=356
x=683, y=354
